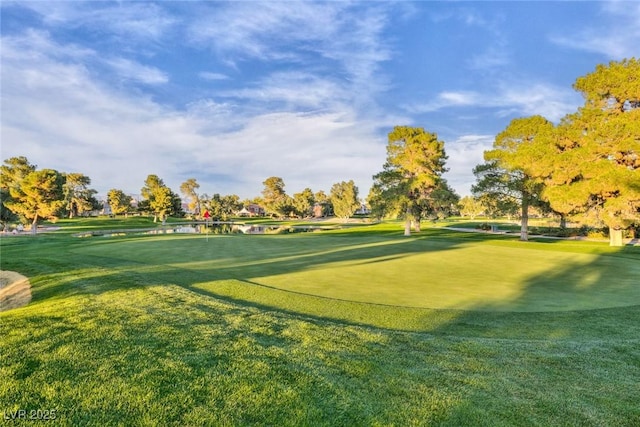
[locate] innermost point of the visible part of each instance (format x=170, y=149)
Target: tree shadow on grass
x=557, y=367
x=453, y=375
x=598, y=283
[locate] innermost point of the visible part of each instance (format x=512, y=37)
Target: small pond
x=209, y=228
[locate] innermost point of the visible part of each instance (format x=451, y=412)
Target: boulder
x=15, y=290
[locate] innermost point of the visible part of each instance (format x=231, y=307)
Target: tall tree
x=227, y=205
x=470, y=206
x=38, y=196
x=303, y=202
x=508, y=174
x=119, y=202
x=189, y=190
x=442, y=203
x=12, y=172
x=78, y=197
x=413, y=170
x=591, y=165
x=276, y=202
x=344, y=198
x=162, y=201
x=222, y=207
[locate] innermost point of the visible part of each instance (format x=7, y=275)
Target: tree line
x=29, y=195
x=584, y=168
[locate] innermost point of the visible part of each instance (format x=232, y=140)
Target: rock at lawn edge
x=15, y=290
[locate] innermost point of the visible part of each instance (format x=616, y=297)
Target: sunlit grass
x=431, y=270
x=177, y=330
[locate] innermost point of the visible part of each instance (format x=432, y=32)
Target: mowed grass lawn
x=350, y=327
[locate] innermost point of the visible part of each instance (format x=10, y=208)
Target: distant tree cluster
x=342, y=201
x=29, y=194
x=585, y=168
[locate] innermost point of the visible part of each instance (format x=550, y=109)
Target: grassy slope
x=112, y=339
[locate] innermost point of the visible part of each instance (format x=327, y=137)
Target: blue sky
x=231, y=93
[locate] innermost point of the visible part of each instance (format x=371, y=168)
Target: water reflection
x=210, y=228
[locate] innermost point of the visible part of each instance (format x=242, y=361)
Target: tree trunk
x=34, y=225
x=615, y=237
x=407, y=222
x=416, y=225
x=524, y=224
x=563, y=221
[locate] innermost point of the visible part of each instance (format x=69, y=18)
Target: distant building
x=364, y=210
x=322, y=210
x=252, y=210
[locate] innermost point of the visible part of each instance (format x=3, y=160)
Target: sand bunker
x=15, y=290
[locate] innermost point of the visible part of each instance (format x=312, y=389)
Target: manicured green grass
x=436, y=269
x=274, y=330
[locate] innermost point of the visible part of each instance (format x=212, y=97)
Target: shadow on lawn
x=598, y=289
x=600, y=286
x=381, y=377
x=594, y=284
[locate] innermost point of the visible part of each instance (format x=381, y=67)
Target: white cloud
x=616, y=36
x=542, y=99
x=506, y=99
x=293, y=90
x=130, y=22
x=335, y=38
x=465, y=153
x=207, y=75
x=35, y=44
x=132, y=70
x=59, y=116
x=493, y=57
x=458, y=98
x=264, y=30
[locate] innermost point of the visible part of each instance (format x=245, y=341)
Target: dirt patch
x=15, y=290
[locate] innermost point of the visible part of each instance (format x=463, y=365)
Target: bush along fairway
x=358, y=326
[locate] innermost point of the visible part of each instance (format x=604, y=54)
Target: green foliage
x=442, y=203
x=119, y=202
x=78, y=197
x=222, y=207
x=344, y=199
x=507, y=178
x=12, y=172
x=189, y=190
x=590, y=163
x=323, y=203
x=415, y=163
x=471, y=207
x=303, y=203
x=161, y=200
x=276, y=201
x=39, y=195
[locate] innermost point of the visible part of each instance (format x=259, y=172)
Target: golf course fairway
x=435, y=270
